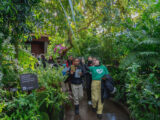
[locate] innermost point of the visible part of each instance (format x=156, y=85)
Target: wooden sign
x=28, y=82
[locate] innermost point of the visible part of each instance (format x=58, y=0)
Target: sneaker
x=99, y=116
x=89, y=103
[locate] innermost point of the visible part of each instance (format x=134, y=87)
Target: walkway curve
x=111, y=112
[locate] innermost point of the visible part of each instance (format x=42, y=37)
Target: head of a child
x=89, y=58
x=50, y=58
x=64, y=61
x=42, y=57
x=58, y=60
x=94, y=60
x=76, y=61
x=70, y=58
x=97, y=63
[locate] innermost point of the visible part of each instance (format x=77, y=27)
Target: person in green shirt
x=97, y=71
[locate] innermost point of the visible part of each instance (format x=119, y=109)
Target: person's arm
x=69, y=76
x=90, y=69
x=81, y=73
x=70, y=72
x=87, y=68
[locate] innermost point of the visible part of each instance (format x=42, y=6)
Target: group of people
x=43, y=61
x=92, y=75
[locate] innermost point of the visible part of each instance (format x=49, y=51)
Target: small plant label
x=28, y=82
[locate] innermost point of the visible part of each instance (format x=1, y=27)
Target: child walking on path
x=97, y=71
x=75, y=73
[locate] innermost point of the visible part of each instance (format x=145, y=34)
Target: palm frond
x=148, y=53
x=128, y=60
x=142, y=58
x=150, y=41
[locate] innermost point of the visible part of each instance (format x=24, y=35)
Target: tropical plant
x=144, y=40
x=142, y=94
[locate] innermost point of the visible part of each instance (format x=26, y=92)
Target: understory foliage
x=142, y=93
x=137, y=77
x=139, y=91
x=15, y=27
x=35, y=105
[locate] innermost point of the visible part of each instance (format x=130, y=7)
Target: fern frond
x=147, y=53
x=141, y=58
x=128, y=60
x=150, y=41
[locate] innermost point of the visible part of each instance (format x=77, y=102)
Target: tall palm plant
x=144, y=40
x=144, y=53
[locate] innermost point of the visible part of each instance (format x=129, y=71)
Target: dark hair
x=70, y=56
x=51, y=57
x=43, y=57
x=80, y=60
x=76, y=59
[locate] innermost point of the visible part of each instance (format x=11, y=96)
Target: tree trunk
x=64, y=52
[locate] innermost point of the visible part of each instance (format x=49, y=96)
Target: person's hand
x=72, y=72
x=80, y=73
x=103, y=78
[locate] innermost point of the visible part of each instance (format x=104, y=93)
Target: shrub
x=141, y=93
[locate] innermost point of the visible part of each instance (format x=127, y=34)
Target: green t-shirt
x=98, y=72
